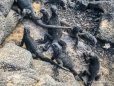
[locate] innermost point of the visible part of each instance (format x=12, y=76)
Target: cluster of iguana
x=53, y=37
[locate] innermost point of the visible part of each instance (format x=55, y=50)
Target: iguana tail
x=39, y=22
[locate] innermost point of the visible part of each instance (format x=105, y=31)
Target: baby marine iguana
x=27, y=8
x=88, y=37
x=94, y=66
x=31, y=46
x=64, y=60
x=53, y=35
x=74, y=34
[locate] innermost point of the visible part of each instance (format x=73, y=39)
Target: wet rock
x=8, y=24
x=13, y=57
x=106, y=31
x=5, y=6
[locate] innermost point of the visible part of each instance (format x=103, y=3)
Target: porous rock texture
x=106, y=29
x=5, y=6
x=27, y=77
x=16, y=66
x=15, y=55
x=43, y=75
x=64, y=78
x=7, y=24
x=17, y=69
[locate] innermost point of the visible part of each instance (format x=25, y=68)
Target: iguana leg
x=63, y=44
x=52, y=58
x=86, y=73
x=97, y=77
x=46, y=38
x=15, y=0
x=60, y=63
x=17, y=9
x=71, y=4
x=73, y=71
x=24, y=13
x=34, y=56
x=76, y=43
x=76, y=75
x=56, y=72
x=47, y=46
x=85, y=58
x=22, y=42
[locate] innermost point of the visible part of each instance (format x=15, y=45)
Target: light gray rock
x=13, y=57
x=5, y=6
x=2, y=22
x=46, y=80
x=106, y=29
x=64, y=79
x=16, y=64
x=1, y=36
x=8, y=24
x=27, y=77
x=11, y=22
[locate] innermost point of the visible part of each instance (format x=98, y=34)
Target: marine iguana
x=94, y=66
x=27, y=5
x=80, y=6
x=62, y=3
x=96, y=7
x=64, y=60
x=46, y=17
x=88, y=37
x=75, y=32
x=31, y=46
x=53, y=35
x=16, y=8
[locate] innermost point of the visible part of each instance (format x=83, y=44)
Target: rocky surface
x=42, y=73
x=27, y=77
x=17, y=68
x=64, y=79
x=5, y=6
x=7, y=24
x=106, y=29
x=14, y=55
x=42, y=67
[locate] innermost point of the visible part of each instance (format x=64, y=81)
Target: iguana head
x=26, y=30
x=62, y=3
x=93, y=55
x=53, y=9
x=56, y=49
x=76, y=29
x=44, y=11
